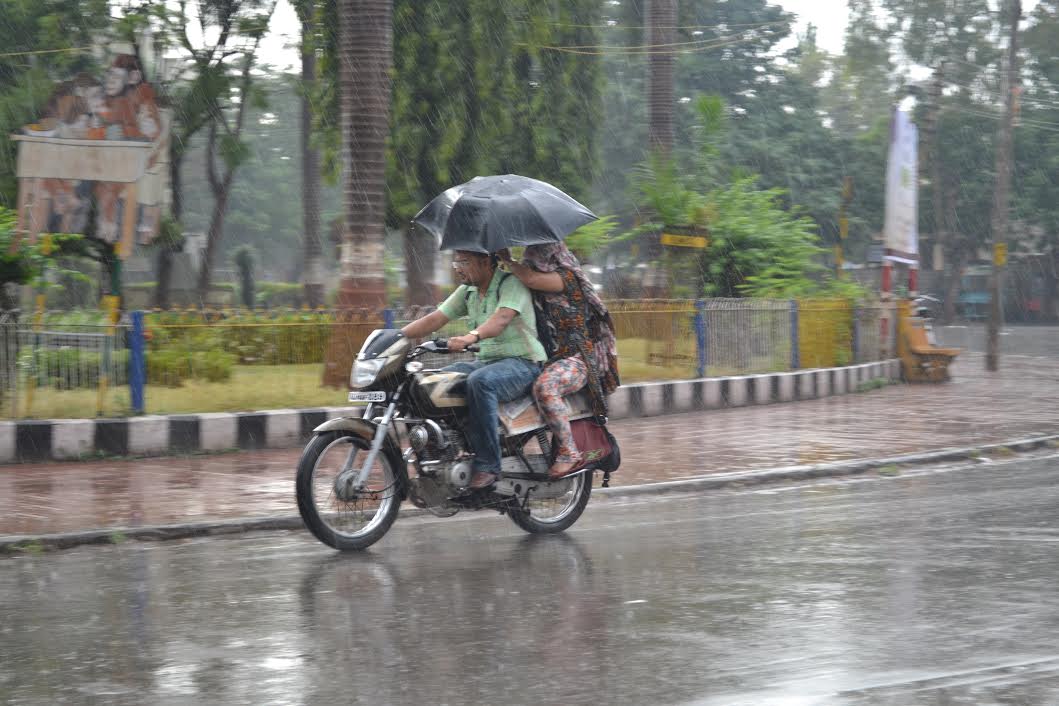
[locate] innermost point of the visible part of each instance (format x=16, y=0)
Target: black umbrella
x=490, y=213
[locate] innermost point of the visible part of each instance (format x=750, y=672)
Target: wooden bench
x=921, y=360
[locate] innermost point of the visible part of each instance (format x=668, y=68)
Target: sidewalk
x=976, y=408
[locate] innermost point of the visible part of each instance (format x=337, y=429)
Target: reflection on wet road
x=929, y=588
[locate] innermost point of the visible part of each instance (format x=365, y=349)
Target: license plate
x=366, y=397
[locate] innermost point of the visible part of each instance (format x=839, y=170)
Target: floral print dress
x=578, y=361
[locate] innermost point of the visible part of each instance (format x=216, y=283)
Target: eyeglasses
x=457, y=264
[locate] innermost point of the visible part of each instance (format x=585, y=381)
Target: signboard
x=685, y=241
x=99, y=141
x=900, y=229
x=1000, y=254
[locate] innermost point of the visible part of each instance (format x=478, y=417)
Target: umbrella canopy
x=490, y=213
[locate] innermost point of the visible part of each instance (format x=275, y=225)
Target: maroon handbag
x=598, y=445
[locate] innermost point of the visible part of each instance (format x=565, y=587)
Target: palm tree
x=366, y=54
x=661, y=34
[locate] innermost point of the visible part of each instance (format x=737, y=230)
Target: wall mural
x=98, y=140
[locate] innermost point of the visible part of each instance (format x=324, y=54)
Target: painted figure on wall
x=120, y=107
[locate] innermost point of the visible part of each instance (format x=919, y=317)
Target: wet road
x=1015, y=340
x=925, y=588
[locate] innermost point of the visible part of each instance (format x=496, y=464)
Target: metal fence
x=45, y=365
x=714, y=337
x=198, y=360
x=746, y=336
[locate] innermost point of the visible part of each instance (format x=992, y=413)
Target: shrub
x=172, y=367
x=275, y=295
x=71, y=368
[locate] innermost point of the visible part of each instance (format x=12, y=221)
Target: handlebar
x=441, y=345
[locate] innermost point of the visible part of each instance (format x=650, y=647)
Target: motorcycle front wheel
x=551, y=515
x=363, y=517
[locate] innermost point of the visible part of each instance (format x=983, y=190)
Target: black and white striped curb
x=678, y=396
x=67, y=439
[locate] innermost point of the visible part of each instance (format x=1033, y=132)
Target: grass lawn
x=251, y=387
x=255, y=387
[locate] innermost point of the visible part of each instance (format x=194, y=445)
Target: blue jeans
x=488, y=384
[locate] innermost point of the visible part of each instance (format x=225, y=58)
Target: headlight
x=364, y=372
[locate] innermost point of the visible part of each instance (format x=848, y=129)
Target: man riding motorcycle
x=502, y=322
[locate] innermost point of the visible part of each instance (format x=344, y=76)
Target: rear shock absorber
x=542, y=441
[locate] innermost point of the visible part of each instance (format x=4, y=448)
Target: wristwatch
x=477, y=336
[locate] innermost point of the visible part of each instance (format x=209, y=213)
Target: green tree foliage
x=757, y=247
x=212, y=92
x=783, y=139
x=476, y=91
x=591, y=238
x=245, y=259
x=14, y=266
x=860, y=93
x=264, y=209
x=726, y=50
x=43, y=264
x=1037, y=152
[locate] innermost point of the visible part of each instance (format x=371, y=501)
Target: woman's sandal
x=557, y=471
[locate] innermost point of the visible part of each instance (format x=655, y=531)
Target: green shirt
x=519, y=338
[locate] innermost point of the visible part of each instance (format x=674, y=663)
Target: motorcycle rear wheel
x=345, y=525
x=553, y=515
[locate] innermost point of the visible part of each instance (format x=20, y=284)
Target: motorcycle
x=353, y=474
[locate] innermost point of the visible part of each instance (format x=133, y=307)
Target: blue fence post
x=387, y=318
x=137, y=363
x=700, y=336
x=856, y=334
x=796, y=362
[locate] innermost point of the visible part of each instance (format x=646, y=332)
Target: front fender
x=360, y=427
x=366, y=430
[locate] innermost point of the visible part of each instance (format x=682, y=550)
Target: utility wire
x=621, y=26
x=645, y=51
x=44, y=51
x=1036, y=124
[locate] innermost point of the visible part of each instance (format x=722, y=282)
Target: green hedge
x=253, y=338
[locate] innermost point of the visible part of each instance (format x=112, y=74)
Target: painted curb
x=15, y=543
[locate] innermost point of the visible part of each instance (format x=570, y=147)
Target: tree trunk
x=999, y=219
x=957, y=258
x=933, y=154
x=365, y=50
x=312, y=251
x=164, y=272
x=365, y=53
x=661, y=35
x=419, y=253
x=221, y=184
x=213, y=239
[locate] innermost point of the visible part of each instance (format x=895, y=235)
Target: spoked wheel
x=547, y=515
x=345, y=519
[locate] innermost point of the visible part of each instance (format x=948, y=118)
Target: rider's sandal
x=482, y=479
x=577, y=465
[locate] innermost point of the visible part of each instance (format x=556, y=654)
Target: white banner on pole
x=900, y=230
